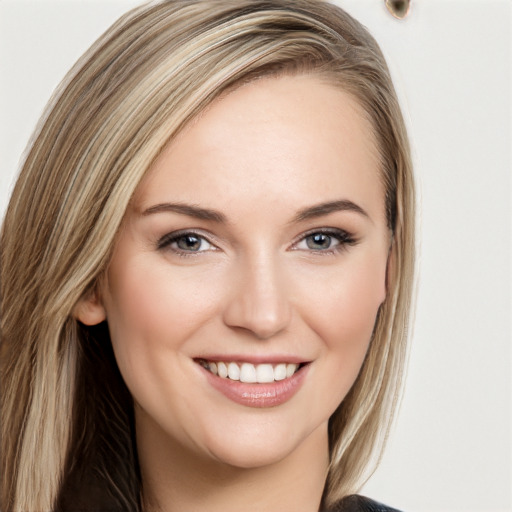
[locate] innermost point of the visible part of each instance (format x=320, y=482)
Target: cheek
x=148, y=299
x=151, y=312
x=342, y=307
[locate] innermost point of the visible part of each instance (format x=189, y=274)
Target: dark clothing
x=356, y=503
x=95, y=503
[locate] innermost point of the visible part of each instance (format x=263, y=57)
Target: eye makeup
x=186, y=241
x=323, y=241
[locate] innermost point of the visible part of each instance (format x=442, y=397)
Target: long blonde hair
x=152, y=72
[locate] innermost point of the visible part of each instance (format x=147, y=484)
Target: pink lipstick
x=260, y=385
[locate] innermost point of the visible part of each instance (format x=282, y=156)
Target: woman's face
x=256, y=244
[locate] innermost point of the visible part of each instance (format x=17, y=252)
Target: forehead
x=274, y=139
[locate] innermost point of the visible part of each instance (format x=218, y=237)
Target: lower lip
x=258, y=395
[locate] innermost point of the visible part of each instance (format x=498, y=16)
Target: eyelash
x=167, y=240
x=344, y=238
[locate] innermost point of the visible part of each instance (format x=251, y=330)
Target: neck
x=177, y=479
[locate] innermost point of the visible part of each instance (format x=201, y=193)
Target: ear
x=89, y=309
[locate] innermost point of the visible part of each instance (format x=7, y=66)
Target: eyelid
x=166, y=240
x=344, y=237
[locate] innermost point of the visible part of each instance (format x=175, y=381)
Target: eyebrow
x=319, y=210
x=187, y=209
x=310, y=212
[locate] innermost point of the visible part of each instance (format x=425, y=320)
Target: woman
x=206, y=267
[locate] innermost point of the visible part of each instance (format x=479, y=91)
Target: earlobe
x=89, y=309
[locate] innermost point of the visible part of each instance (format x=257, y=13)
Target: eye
x=325, y=240
x=320, y=241
x=185, y=242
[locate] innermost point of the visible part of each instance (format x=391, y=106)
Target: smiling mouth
x=251, y=373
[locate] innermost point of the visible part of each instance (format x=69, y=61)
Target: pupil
x=319, y=241
x=189, y=243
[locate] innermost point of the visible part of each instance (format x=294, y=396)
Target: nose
x=259, y=300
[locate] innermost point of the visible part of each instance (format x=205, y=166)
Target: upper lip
x=253, y=359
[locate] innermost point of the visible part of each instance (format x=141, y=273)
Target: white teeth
x=222, y=370
x=280, y=372
x=264, y=373
x=290, y=369
x=233, y=371
x=250, y=373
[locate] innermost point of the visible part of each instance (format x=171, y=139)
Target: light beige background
x=451, y=446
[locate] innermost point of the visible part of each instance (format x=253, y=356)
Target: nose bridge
x=259, y=302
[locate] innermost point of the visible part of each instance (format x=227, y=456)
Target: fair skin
x=258, y=236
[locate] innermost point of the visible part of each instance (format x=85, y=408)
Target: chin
x=256, y=448
x=251, y=457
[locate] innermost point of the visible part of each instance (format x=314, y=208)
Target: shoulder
x=356, y=503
